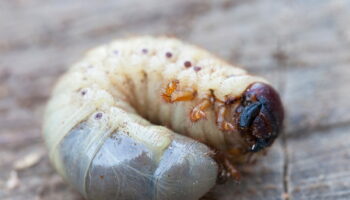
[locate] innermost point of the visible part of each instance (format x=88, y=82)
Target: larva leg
x=169, y=90
x=185, y=95
x=232, y=171
x=197, y=112
x=226, y=169
x=171, y=95
x=220, y=118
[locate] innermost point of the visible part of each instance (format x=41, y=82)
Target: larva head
x=260, y=116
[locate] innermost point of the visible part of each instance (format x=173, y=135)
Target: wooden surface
x=302, y=47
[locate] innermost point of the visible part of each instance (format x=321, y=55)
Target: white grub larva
x=154, y=118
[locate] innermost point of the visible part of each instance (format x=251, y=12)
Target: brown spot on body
x=144, y=76
x=83, y=92
x=196, y=68
x=168, y=54
x=187, y=64
x=98, y=115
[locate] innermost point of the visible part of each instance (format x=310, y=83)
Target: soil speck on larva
x=144, y=51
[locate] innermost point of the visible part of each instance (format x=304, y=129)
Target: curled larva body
x=100, y=122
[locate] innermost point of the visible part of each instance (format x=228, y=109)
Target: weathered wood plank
x=317, y=97
x=302, y=47
x=319, y=165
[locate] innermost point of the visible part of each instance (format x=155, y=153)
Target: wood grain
x=302, y=47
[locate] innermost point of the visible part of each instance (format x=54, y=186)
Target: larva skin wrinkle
x=154, y=118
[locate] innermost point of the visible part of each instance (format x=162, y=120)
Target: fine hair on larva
x=155, y=118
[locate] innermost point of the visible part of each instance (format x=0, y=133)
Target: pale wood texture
x=302, y=47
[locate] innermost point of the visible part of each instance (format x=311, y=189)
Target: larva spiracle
x=154, y=118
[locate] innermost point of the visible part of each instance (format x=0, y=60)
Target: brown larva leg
x=226, y=169
x=185, y=95
x=233, y=172
x=220, y=118
x=169, y=90
x=197, y=112
x=171, y=95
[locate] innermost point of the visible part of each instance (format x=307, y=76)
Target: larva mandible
x=154, y=118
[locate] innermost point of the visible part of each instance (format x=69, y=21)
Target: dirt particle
x=144, y=51
x=28, y=161
x=13, y=181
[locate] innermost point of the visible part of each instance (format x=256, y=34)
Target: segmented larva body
x=154, y=118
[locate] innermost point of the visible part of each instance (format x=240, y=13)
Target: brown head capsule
x=260, y=115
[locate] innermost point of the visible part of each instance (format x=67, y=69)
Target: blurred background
x=301, y=47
